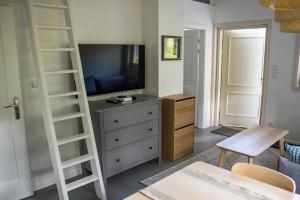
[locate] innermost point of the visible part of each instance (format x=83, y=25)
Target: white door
x=191, y=64
x=242, y=74
x=15, y=182
x=191, y=61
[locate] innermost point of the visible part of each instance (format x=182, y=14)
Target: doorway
x=242, y=66
x=194, y=40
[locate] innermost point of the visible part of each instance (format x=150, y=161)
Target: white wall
x=162, y=17
x=283, y=103
x=96, y=21
x=200, y=16
x=150, y=39
x=108, y=21
x=171, y=22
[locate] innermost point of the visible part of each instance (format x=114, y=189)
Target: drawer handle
x=150, y=147
x=117, y=140
x=118, y=160
x=150, y=129
x=150, y=113
x=116, y=121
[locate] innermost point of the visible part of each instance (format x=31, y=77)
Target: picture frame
x=296, y=80
x=171, y=47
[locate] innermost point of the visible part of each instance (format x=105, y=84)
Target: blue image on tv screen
x=112, y=68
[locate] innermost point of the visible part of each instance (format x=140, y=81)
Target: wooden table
x=204, y=181
x=252, y=142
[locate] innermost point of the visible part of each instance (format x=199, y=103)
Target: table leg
x=222, y=158
x=250, y=160
x=281, y=146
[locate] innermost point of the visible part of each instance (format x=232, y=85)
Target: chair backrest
x=265, y=175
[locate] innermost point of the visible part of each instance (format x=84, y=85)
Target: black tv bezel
x=121, y=91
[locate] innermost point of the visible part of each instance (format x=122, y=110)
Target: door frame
x=217, y=65
x=201, y=74
x=200, y=53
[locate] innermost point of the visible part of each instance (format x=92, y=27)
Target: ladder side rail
x=83, y=103
x=47, y=114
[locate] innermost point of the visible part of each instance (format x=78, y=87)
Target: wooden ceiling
x=287, y=14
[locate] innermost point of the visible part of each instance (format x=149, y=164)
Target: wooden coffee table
x=252, y=142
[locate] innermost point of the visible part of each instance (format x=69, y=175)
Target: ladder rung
x=62, y=72
x=46, y=5
x=76, y=161
x=71, y=139
x=57, y=49
x=68, y=116
x=55, y=27
x=81, y=182
x=67, y=94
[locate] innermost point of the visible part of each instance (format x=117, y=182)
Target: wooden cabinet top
x=179, y=97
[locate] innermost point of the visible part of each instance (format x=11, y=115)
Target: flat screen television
x=109, y=68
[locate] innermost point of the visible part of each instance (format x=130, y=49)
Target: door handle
x=16, y=105
x=10, y=106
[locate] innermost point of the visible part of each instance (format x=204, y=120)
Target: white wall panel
x=108, y=21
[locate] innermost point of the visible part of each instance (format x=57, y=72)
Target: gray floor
x=128, y=182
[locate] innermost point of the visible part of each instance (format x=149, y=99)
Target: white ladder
x=84, y=113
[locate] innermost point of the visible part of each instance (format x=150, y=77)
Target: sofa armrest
x=290, y=169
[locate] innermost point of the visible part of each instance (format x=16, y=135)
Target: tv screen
x=109, y=68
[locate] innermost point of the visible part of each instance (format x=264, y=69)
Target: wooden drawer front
x=130, y=134
x=183, y=141
x=131, y=155
x=124, y=118
x=184, y=113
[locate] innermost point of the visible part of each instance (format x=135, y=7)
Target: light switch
x=275, y=71
x=33, y=83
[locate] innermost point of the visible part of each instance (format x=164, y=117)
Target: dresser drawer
x=124, y=118
x=184, y=113
x=130, y=134
x=128, y=156
x=183, y=141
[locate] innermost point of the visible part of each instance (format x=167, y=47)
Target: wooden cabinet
x=183, y=141
x=184, y=112
x=178, y=124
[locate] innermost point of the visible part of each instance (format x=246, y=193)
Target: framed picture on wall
x=297, y=67
x=171, y=47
